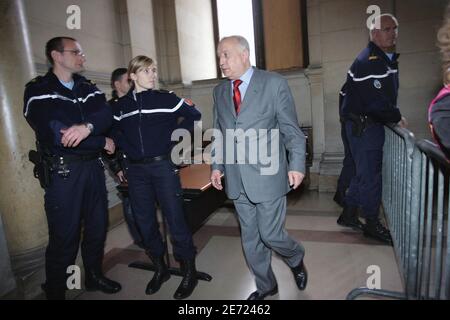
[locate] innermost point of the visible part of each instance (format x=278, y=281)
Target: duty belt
x=368, y=120
x=360, y=123
x=150, y=159
x=73, y=158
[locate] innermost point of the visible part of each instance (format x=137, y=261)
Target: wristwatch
x=90, y=126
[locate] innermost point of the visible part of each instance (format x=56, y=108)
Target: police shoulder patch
x=189, y=102
x=377, y=84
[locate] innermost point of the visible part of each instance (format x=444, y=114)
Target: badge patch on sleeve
x=377, y=84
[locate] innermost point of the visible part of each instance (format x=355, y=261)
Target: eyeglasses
x=75, y=52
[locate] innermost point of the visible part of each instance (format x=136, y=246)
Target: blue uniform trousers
x=159, y=182
x=72, y=203
x=366, y=186
x=131, y=222
x=348, y=165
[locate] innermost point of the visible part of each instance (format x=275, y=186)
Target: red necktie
x=237, y=95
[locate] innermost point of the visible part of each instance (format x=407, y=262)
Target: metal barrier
x=416, y=206
x=433, y=256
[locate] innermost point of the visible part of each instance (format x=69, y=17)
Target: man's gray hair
x=377, y=21
x=243, y=43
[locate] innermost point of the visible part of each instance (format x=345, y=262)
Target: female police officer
x=144, y=120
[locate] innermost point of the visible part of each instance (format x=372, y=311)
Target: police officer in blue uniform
x=144, y=121
x=120, y=83
x=370, y=102
x=70, y=116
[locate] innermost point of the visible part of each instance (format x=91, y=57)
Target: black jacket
x=144, y=122
x=372, y=86
x=50, y=107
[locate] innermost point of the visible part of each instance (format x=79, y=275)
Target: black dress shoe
x=353, y=223
x=374, y=229
x=349, y=218
x=300, y=275
x=98, y=282
x=260, y=296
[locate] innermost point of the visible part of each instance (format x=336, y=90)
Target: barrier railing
x=416, y=206
x=433, y=256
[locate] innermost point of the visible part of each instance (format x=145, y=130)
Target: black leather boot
x=54, y=293
x=96, y=281
x=349, y=218
x=189, y=281
x=374, y=229
x=160, y=276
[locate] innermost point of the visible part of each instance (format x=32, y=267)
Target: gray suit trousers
x=262, y=230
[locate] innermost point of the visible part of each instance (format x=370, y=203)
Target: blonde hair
x=443, y=37
x=138, y=63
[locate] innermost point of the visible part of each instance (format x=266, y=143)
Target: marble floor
x=337, y=258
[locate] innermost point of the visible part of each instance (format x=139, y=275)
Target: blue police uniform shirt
x=69, y=85
x=144, y=122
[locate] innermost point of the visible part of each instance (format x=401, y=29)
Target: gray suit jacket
x=268, y=127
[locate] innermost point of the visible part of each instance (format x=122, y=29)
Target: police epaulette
x=34, y=80
x=90, y=82
x=163, y=91
x=373, y=58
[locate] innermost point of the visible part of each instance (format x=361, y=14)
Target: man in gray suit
x=254, y=114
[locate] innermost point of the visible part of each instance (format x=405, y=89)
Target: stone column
x=196, y=40
x=7, y=282
x=21, y=198
x=142, y=29
x=167, y=41
x=315, y=77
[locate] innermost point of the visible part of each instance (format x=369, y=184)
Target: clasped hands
x=72, y=137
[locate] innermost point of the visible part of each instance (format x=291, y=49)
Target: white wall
x=196, y=40
x=141, y=24
x=420, y=68
x=100, y=35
